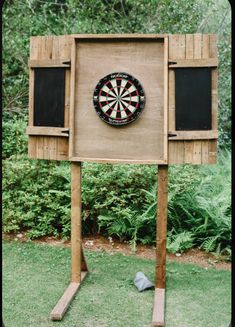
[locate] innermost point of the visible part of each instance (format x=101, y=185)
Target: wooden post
x=160, y=282
x=76, y=224
x=78, y=263
x=161, y=226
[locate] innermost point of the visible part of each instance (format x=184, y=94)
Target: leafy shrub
x=120, y=201
x=214, y=206
x=179, y=242
x=113, y=193
x=14, y=137
x=199, y=206
x=204, y=209
x=34, y=197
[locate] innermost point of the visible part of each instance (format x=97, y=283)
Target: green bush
x=114, y=194
x=34, y=197
x=120, y=201
x=14, y=137
x=204, y=208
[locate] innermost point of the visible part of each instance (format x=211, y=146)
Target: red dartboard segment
x=119, y=99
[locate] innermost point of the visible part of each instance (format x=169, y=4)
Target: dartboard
x=119, y=99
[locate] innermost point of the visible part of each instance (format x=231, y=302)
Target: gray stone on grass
x=141, y=282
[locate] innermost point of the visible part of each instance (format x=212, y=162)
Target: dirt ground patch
x=110, y=245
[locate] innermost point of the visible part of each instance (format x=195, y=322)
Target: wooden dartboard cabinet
x=126, y=98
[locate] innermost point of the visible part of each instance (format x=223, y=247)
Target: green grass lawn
x=35, y=276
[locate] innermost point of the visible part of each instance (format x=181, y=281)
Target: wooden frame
x=107, y=38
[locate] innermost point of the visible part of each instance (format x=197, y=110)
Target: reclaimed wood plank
x=161, y=232
x=158, y=319
x=113, y=161
x=192, y=135
x=72, y=98
x=165, y=100
x=188, y=152
x=43, y=63
x=209, y=62
x=50, y=131
x=62, y=305
x=189, y=46
x=76, y=222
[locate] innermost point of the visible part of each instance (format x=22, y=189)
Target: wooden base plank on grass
x=159, y=308
x=62, y=305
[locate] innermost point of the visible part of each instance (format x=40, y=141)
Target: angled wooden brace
x=79, y=268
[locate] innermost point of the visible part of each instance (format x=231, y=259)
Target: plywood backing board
x=46, y=48
x=192, y=47
x=142, y=141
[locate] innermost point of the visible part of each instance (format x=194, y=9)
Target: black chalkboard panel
x=193, y=99
x=49, y=93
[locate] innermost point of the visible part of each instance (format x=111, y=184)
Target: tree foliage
x=22, y=19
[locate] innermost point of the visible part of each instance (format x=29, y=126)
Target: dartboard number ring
x=119, y=99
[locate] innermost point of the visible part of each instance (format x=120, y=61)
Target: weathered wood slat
x=72, y=98
x=158, y=319
x=192, y=135
x=43, y=63
x=171, y=100
x=165, y=103
x=50, y=131
x=113, y=161
x=162, y=210
x=189, y=46
x=76, y=222
x=161, y=232
x=63, y=304
x=209, y=62
x=117, y=36
x=177, y=51
x=32, y=142
x=188, y=151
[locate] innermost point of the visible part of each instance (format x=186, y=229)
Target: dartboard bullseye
x=119, y=99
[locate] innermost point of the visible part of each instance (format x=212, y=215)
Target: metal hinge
x=171, y=135
x=66, y=62
x=65, y=131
